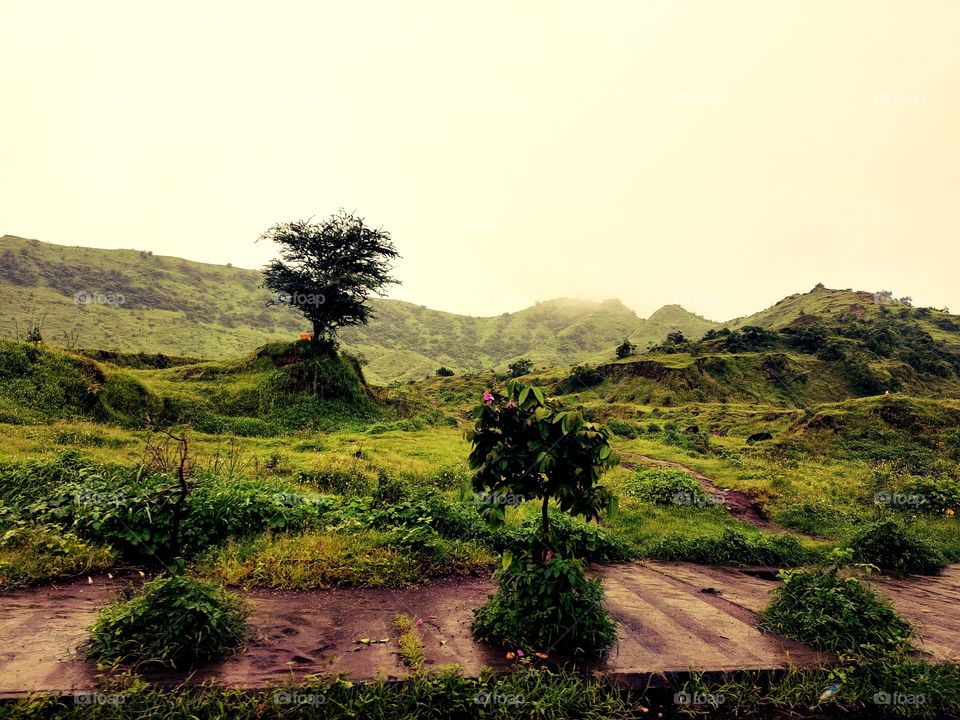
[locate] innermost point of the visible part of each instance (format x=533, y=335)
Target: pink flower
x=419, y=622
x=519, y=653
x=487, y=398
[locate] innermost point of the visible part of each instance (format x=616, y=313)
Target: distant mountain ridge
x=135, y=301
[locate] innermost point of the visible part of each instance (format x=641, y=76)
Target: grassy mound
x=175, y=621
x=836, y=613
x=897, y=548
x=38, y=385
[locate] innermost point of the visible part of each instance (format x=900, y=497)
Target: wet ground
x=673, y=617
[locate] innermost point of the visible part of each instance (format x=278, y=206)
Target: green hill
x=137, y=302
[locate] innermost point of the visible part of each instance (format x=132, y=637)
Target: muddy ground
x=672, y=617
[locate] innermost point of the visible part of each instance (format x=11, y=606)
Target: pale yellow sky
x=716, y=154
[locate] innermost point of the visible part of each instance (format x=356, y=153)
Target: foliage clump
x=897, y=548
x=666, y=487
x=174, y=621
x=834, y=612
x=549, y=608
x=940, y=495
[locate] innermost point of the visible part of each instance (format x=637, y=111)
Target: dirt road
x=672, y=617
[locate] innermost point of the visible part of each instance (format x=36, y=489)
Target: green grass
x=409, y=642
x=30, y=555
x=315, y=560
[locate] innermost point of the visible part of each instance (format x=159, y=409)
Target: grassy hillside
x=138, y=302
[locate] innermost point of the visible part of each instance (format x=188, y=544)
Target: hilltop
x=138, y=302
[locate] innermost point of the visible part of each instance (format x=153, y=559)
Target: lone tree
x=327, y=270
x=625, y=349
x=520, y=367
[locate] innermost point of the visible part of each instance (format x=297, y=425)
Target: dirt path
x=672, y=617
x=741, y=505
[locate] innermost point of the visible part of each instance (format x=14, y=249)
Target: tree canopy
x=327, y=270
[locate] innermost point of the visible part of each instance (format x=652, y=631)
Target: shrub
x=579, y=379
x=897, y=548
x=550, y=608
x=666, y=487
x=175, y=621
x=31, y=554
x=621, y=428
x=941, y=495
x=835, y=613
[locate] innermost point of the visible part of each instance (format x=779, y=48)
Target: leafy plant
x=526, y=445
x=571, y=536
x=550, y=608
x=175, y=621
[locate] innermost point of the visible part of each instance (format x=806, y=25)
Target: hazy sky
x=716, y=154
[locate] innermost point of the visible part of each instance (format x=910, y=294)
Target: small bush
x=941, y=495
x=174, y=621
x=666, y=487
x=897, y=548
x=550, y=608
x=621, y=428
x=835, y=613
